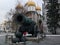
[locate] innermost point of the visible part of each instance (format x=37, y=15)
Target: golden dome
x=38, y=8
x=19, y=6
x=30, y=3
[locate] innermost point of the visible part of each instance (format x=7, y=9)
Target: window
x=31, y=8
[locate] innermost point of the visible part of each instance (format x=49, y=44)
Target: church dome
x=19, y=6
x=38, y=8
x=30, y=3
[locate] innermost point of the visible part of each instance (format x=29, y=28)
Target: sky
x=6, y=5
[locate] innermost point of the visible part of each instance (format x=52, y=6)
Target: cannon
x=27, y=25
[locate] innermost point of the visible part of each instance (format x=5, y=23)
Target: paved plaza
x=49, y=40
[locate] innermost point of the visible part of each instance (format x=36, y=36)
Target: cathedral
x=30, y=9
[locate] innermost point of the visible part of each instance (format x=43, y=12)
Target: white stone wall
x=34, y=17
x=38, y=11
x=58, y=1
x=1, y=27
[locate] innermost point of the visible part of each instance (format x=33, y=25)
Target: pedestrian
x=43, y=35
x=41, y=26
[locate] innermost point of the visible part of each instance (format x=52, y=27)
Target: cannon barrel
x=22, y=19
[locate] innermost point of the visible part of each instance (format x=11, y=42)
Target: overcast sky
x=6, y=5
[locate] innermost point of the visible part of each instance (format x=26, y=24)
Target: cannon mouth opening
x=19, y=18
